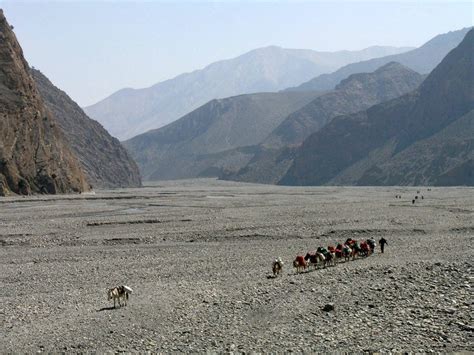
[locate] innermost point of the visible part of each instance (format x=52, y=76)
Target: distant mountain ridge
x=357, y=92
x=422, y=60
x=223, y=135
x=105, y=162
x=129, y=112
x=354, y=93
x=208, y=140
x=422, y=138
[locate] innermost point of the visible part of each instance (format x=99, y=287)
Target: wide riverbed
x=198, y=256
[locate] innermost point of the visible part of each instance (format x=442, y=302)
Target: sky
x=91, y=49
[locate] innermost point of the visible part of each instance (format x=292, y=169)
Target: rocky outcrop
x=104, y=160
x=422, y=138
x=34, y=157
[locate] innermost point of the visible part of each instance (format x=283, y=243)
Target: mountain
x=105, y=162
x=34, y=156
x=357, y=92
x=209, y=139
x=422, y=138
x=422, y=60
x=446, y=158
x=129, y=112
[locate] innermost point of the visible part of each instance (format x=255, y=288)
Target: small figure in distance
x=382, y=243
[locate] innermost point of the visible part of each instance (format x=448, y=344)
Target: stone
x=328, y=307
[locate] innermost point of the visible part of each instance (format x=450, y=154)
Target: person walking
x=382, y=243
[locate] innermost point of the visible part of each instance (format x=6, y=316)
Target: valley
x=198, y=255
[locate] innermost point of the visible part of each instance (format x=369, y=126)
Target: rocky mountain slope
x=424, y=137
x=102, y=157
x=210, y=138
x=446, y=158
x=34, y=156
x=357, y=92
x=129, y=112
x=422, y=59
x=354, y=93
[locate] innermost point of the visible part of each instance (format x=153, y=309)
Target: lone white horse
x=118, y=293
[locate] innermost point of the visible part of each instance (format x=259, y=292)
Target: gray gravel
x=198, y=255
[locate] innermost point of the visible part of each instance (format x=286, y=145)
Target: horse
x=372, y=244
x=346, y=252
x=354, y=245
x=364, y=249
x=118, y=293
x=328, y=257
x=277, y=267
x=339, y=251
x=355, y=249
x=299, y=263
x=337, y=254
x=314, y=259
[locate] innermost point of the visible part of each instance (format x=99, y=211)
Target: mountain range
x=425, y=137
x=205, y=141
x=129, y=112
x=176, y=151
x=380, y=121
x=355, y=93
x=223, y=135
x=422, y=60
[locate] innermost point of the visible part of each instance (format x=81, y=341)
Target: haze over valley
x=130, y=112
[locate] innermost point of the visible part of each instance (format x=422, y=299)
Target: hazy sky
x=92, y=48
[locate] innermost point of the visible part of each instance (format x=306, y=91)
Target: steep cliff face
x=34, y=157
x=104, y=160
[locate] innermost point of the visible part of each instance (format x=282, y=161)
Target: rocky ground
x=198, y=255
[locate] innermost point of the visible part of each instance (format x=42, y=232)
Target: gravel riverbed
x=198, y=256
